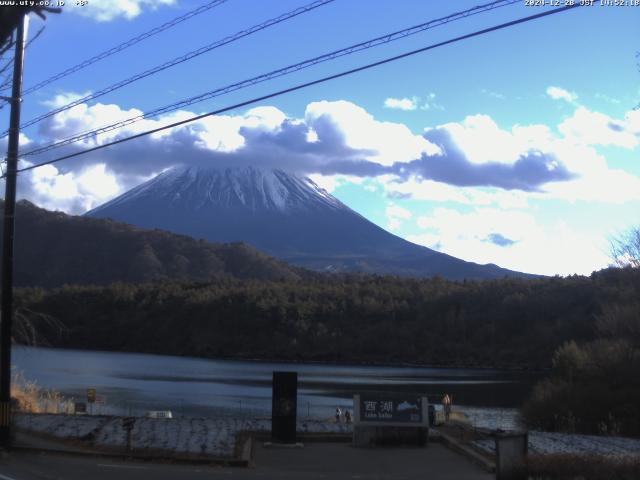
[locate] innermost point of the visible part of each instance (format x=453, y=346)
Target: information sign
x=91, y=395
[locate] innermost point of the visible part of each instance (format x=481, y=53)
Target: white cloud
x=401, y=103
x=328, y=182
x=345, y=140
x=220, y=133
x=493, y=94
x=330, y=130
x=554, y=249
x=69, y=192
x=268, y=118
x=430, y=103
x=612, y=186
x=340, y=142
x=331, y=182
x=388, y=142
x=97, y=182
x=482, y=222
x=593, y=128
x=413, y=103
x=432, y=191
x=558, y=93
x=65, y=98
x=632, y=122
x=107, y=10
x=397, y=211
x=607, y=98
x=395, y=215
x=483, y=141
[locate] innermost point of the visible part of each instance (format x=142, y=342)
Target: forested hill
x=502, y=323
x=52, y=249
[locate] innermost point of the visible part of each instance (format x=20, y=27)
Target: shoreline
x=348, y=363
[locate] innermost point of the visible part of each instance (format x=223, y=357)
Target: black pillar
x=284, y=406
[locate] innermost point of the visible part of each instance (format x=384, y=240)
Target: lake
x=133, y=383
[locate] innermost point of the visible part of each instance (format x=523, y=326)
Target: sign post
x=91, y=395
x=511, y=454
x=91, y=399
x=390, y=419
x=127, y=424
x=284, y=406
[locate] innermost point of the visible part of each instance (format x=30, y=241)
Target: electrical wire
x=125, y=45
x=306, y=85
x=274, y=74
x=10, y=63
x=178, y=60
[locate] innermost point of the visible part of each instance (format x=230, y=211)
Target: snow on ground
x=564, y=443
x=201, y=436
x=547, y=442
x=216, y=437
x=491, y=418
x=61, y=426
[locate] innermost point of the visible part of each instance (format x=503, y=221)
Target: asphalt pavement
x=314, y=461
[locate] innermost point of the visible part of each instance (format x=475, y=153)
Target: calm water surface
x=135, y=383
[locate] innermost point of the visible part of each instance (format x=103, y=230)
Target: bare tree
x=625, y=248
x=10, y=16
x=35, y=328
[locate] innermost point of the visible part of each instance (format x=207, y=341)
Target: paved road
x=314, y=461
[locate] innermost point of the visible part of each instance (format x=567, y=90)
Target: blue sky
x=519, y=147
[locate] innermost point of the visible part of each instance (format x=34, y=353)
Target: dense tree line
x=53, y=248
x=594, y=386
x=507, y=323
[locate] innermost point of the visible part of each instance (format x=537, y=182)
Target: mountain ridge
x=53, y=248
x=282, y=215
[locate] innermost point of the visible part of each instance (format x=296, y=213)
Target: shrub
x=594, y=389
x=591, y=467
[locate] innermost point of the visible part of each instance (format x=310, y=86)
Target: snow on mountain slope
x=283, y=215
x=251, y=188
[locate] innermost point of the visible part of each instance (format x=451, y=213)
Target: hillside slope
x=52, y=248
x=283, y=215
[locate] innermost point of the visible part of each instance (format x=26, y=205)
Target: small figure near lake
x=338, y=414
x=446, y=403
x=347, y=416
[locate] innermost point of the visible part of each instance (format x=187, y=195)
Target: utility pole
x=6, y=305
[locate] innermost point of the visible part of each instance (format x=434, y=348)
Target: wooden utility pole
x=6, y=305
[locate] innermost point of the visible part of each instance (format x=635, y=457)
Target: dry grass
x=26, y=396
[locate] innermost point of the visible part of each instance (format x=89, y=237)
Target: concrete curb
x=468, y=452
x=227, y=462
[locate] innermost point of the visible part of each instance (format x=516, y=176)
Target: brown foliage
x=26, y=396
x=583, y=467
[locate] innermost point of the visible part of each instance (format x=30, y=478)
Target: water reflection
x=193, y=386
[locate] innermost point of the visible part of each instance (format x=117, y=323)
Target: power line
x=10, y=62
x=306, y=85
x=125, y=45
x=276, y=73
x=31, y=40
x=178, y=60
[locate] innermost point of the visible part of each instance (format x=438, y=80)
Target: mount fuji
x=284, y=215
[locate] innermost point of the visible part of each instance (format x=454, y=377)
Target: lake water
x=135, y=383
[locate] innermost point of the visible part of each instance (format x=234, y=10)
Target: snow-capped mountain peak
x=281, y=214
x=199, y=187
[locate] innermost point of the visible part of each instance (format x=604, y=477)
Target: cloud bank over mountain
x=468, y=167
x=341, y=138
